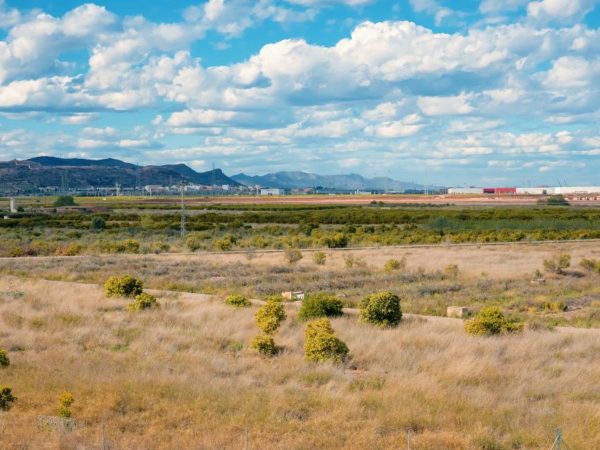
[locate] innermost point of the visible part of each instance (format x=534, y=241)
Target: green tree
x=382, y=309
x=490, y=321
x=265, y=345
x=98, y=223
x=143, y=301
x=270, y=316
x=320, y=304
x=64, y=200
x=6, y=398
x=125, y=286
x=321, y=344
x=4, y=360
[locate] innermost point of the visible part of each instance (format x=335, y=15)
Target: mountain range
x=31, y=175
x=349, y=182
x=47, y=171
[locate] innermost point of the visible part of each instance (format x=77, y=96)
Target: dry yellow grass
x=182, y=377
x=497, y=261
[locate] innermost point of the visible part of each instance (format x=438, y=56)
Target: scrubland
x=134, y=226
x=183, y=377
x=486, y=276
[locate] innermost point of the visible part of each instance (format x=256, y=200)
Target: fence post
x=246, y=441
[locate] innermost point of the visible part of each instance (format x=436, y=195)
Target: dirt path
x=16, y=284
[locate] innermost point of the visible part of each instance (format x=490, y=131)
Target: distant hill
x=46, y=171
x=298, y=180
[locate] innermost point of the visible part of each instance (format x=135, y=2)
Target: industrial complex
x=545, y=190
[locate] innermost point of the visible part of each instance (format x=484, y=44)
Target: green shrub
x=351, y=261
x=451, y=271
x=125, y=286
x=143, y=301
x=64, y=200
x=591, y=265
x=65, y=401
x=71, y=249
x=382, y=309
x=558, y=263
x=127, y=246
x=270, y=315
x=237, y=301
x=320, y=304
x=4, y=360
x=319, y=258
x=321, y=344
x=490, y=321
x=338, y=240
x=293, y=255
x=226, y=243
x=265, y=345
x=98, y=223
x=6, y=398
x=556, y=306
x=195, y=241
x=392, y=265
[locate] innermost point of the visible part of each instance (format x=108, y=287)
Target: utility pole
x=408, y=438
x=183, y=231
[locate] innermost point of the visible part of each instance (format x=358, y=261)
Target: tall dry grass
x=182, y=377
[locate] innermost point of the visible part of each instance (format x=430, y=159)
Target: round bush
x=319, y=258
x=320, y=304
x=237, y=301
x=270, y=315
x=65, y=401
x=64, y=200
x=321, y=344
x=98, y=223
x=490, y=321
x=6, y=398
x=265, y=345
x=143, y=301
x=392, y=265
x=293, y=255
x=125, y=286
x=382, y=309
x=4, y=360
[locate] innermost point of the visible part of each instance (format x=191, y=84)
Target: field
x=129, y=225
x=185, y=375
x=182, y=377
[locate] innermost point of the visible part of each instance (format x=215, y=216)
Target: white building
x=535, y=190
x=469, y=190
x=272, y=191
x=577, y=190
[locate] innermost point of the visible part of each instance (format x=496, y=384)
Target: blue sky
x=494, y=92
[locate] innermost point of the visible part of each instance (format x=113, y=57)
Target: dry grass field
x=183, y=377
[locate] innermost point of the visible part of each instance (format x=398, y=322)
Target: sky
x=455, y=93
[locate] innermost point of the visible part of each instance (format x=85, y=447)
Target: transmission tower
x=183, y=231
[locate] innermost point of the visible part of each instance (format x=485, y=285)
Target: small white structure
x=272, y=191
x=292, y=296
x=459, y=312
x=13, y=205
